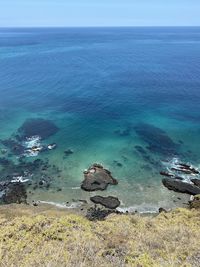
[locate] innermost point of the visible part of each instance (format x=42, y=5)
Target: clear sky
x=99, y=13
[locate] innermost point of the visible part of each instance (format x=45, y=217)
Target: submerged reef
x=157, y=139
x=27, y=141
x=25, y=176
x=41, y=127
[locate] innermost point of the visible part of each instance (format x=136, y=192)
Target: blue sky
x=99, y=13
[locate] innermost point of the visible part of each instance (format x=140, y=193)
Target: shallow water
x=99, y=86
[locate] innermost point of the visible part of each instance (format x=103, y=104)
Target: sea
x=128, y=98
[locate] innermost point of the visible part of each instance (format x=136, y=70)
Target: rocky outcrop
x=195, y=202
x=97, y=178
x=160, y=210
x=108, y=202
x=12, y=192
x=179, y=186
x=94, y=214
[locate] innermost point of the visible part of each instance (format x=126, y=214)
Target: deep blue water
x=107, y=90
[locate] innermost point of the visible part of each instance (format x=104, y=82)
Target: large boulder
x=179, y=186
x=108, y=202
x=97, y=178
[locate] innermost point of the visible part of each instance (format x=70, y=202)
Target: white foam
x=72, y=205
x=19, y=179
x=76, y=188
x=141, y=209
x=173, y=164
x=32, y=141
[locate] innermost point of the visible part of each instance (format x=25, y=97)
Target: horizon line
x=98, y=26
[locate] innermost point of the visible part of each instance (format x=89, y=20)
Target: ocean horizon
x=125, y=97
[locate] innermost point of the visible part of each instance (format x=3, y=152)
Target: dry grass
x=56, y=239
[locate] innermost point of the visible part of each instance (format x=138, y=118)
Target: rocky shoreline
x=29, y=141
x=97, y=178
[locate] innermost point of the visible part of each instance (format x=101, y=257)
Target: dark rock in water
x=185, y=168
x=158, y=141
x=117, y=163
x=162, y=210
x=94, y=214
x=41, y=183
x=178, y=178
x=4, y=162
x=13, y=193
x=181, y=187
x=15, y=147
x=196, y=182
x=166, y=174
x=108, y=202
x=59, y=189
x=186, y=171
x=97, y=178
x=68, y=152
x=43, y=128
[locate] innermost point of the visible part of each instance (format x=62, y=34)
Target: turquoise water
x=107, y=90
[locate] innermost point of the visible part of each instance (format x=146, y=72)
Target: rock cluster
x=175, y=179
x=97, y=177
x=94, y=213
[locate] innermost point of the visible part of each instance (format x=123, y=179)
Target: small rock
x=68, y=152
x=162, y=210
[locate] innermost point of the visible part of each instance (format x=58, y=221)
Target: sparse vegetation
x=31, y=237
